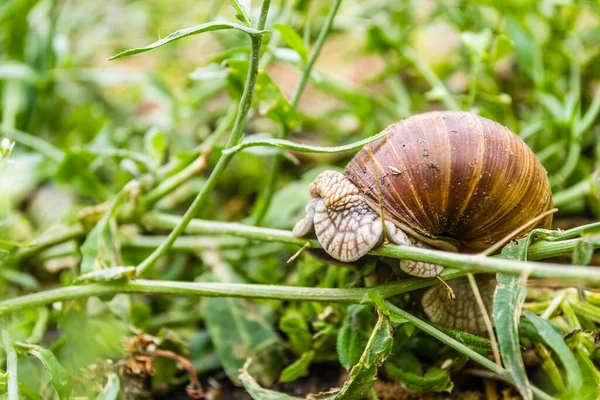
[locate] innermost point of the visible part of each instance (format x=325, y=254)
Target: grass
x=121, y=171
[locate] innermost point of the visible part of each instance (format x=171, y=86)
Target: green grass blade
x=547, y=333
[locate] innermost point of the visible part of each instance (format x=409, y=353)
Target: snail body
x=449, y=180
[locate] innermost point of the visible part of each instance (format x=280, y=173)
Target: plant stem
x=35, y=143
x=218, y=289
x=43, y=243
x=473, y=355
x=11, y=363
x=235, y=138
x=589, y=277
x=264, y=200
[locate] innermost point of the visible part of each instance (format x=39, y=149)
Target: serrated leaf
x=60, y=377
x=354, y=334
x=293, y=40
x=364, y=373
x=194, y=30
x=298, y=368
x=508, y=303
x=111, y=389
x=97, y=250
x=548, y=335
x=257, y=392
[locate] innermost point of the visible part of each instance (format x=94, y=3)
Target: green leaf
x=434, y=380
x=156, y=146
x=293, y=40
x=354, y=334
x=60, y=377
x=271, y=102
x=257, y=392
x=364, y=373
x=502, y=47
x=74, y=169
x=529, y=53
x=555, y=341
x=111, y=389
x=297, y=369
x=306, y=148
x=97, y=251
x=477, y=42
x=241, y=11
x=239, y=330
x=294, y=325
x=508, y=303
x=583, y=252
x=194, y=30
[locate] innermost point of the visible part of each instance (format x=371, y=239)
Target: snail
x=448, y=180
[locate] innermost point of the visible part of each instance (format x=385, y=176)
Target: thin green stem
x=473, y=355
x=264, y=200
x=236, y=136
x=576, y=191
x=586, y=276
x=219, y=289
x=46, y=241
x=11, y=362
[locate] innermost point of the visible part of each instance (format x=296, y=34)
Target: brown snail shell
x=453, y=179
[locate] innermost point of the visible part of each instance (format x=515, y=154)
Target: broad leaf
x=60, y=377
x=111, y=389
x=363, y=375
x=239, y=330
x=354, y=334
x=293, y=40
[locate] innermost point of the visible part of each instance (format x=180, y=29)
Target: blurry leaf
x=363, y=375
x=294, y=325
x=257, y=392
x=106, y=275
x=61, y=378
x=17, y=71
x=297, y=369
x=19, y=278
x=477, y=43
x=194, y=30
x=435, y=379
x=293, y=40
x=555, y=341
x=156, y=145
x=111, y=389
x=354, y=334
x=239, y=331
x=529, y=54
x=583, y=253
x=210, y=72
x=75, y=170
x=502, y=47
x=508, y=303
x=97, y=251
x=241, y=11
x=273, y=103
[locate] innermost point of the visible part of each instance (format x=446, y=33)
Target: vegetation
x=146, y=202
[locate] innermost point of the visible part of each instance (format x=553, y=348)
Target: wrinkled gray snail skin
x=447, y=180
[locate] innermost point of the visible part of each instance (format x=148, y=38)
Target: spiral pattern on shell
x=454, y=179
